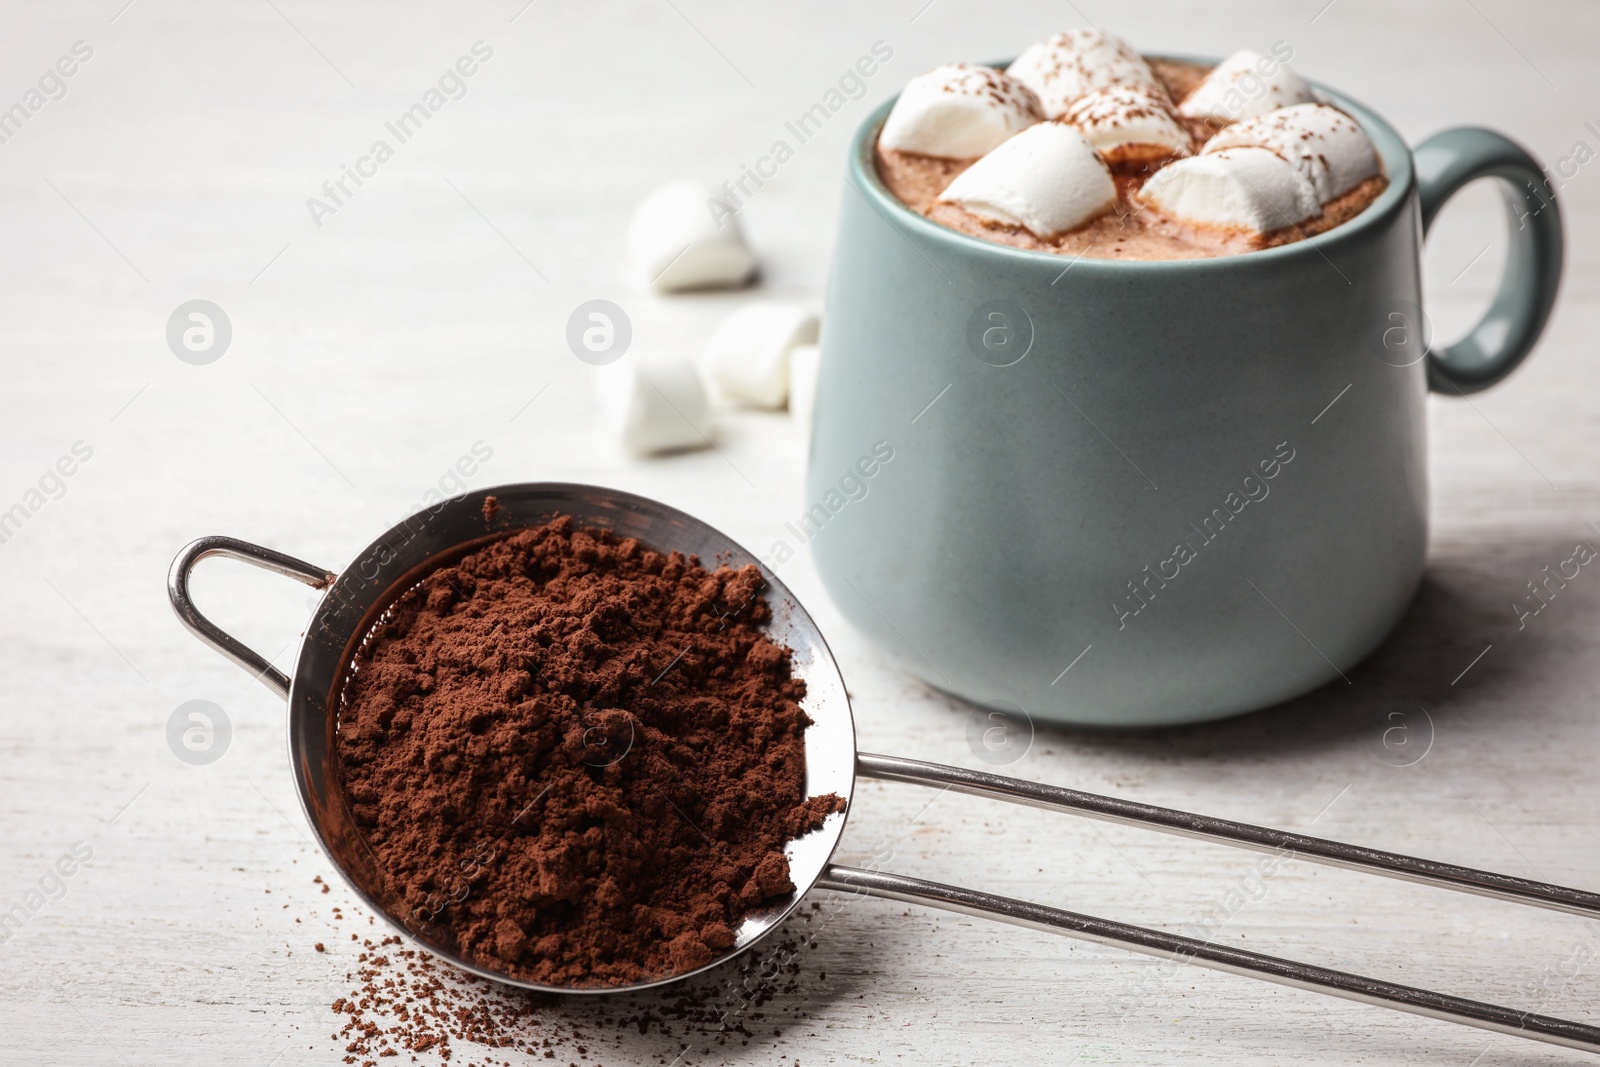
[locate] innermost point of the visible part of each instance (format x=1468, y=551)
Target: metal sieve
x=354, y=599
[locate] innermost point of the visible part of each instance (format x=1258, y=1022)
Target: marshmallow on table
x=653, y=403
x=682, y=237
x=1329, y=147
x=1245, y=85
x=1062, y=68
x=1248, y=189
x=958, y=111
x=1127, y=124
x=747, y=357
x=1047, y=179
x=803, y=363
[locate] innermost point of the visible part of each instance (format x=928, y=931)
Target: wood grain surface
x=376, y=345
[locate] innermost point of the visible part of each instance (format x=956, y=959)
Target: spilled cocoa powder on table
x=403, y=1002
x=579, y=756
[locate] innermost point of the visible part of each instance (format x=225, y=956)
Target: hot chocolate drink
x=1083, y=147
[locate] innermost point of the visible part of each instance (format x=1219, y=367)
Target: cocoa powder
x=579, y=757
x=404, y=1003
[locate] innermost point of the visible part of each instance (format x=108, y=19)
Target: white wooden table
x=426, y=314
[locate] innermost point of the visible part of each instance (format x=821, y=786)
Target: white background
x=370, y=354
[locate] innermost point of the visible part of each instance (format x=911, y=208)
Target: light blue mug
x=1147, y=493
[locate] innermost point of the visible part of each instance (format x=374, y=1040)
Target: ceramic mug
x=1147, y=493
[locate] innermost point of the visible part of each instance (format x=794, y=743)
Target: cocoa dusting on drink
x=578, y=757
x=1130, y=230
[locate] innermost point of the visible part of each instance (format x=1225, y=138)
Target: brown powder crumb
x=491, y=508
x=406, y=1002
x=579, y=758
x=321, y=947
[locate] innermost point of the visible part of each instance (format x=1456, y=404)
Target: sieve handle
x=1185, y=950
x=1234, y=834
x=212, y=634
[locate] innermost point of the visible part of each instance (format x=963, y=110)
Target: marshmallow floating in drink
x=1128, y=124
x=682, y=237
x=1062, y=68
x=1249, y=189
x=1245, y=85
x=747, y=357
x=958, y=111
x=653, y=403
x=1327, y=146
x=1046, y=179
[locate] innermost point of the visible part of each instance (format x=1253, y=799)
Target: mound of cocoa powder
x=580, y=757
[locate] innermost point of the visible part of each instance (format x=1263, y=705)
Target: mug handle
x=1512, y=325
